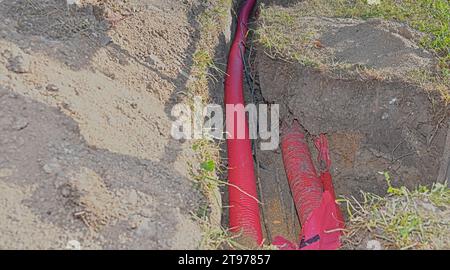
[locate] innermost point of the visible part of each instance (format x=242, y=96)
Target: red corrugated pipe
x=314, y=196
x=306, y=186
x=244, y=209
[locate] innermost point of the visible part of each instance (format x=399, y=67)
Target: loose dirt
x=85, y=147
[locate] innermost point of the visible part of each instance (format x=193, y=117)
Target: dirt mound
x=86, y=152
x=57, y=188
x=376, y=120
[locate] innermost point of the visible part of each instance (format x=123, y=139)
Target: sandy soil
x=85, y=148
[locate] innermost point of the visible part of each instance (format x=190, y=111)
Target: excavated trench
x=373, y=126
x=277, y=209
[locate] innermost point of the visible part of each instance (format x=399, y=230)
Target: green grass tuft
x=404, y=219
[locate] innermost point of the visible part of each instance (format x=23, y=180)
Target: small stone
x=147, y=213
x=123, y=61
x=47, y=169
x=66, y=191
x=51, y=168
x=373, y=245
x=385, y=116
x=52, y=88
x=153, y=60
x=73, y=245
x=19, y=64
x=110, y=75
x=134, y=222
x=105, y=40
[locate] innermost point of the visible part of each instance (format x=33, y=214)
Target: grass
x=281, y=34
x=404, y=219
x=217, y=237
x=275, y=34
x=207, y=167
x=432, y=82
x=206, y=171
x=431, y=17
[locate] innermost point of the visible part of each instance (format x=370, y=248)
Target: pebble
x=52, y=88
x=105, y=40
x=66, y=191
x=373, y=245
x=51, y=168
x=134, y=222
x=73, y=245
x=20, y=124
x=19, y=64
x=154, y=60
